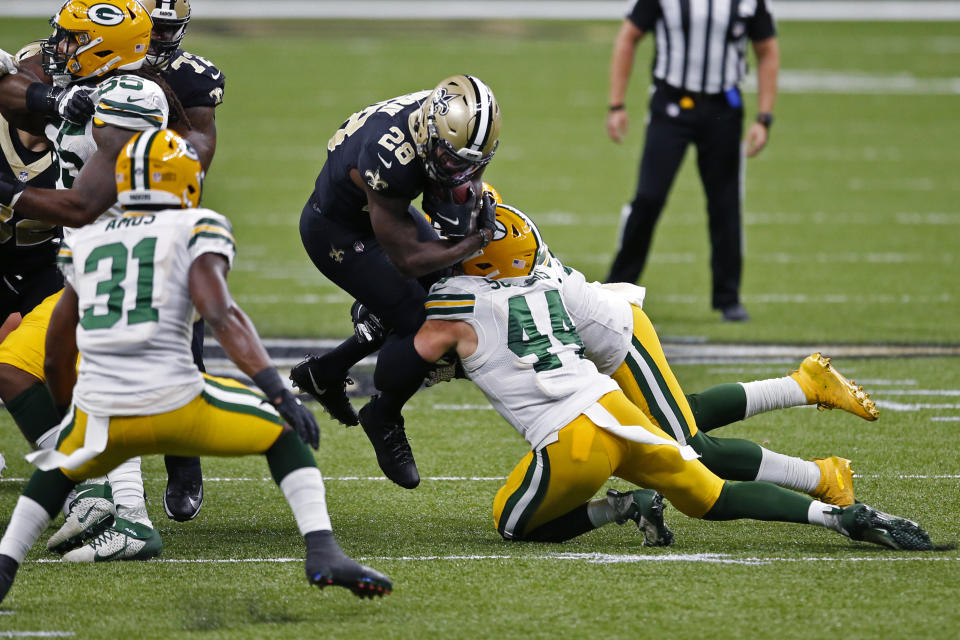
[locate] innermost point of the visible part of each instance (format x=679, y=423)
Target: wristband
x=269, y=382
x=42, y=98
x=766, y=119
x=617, y=107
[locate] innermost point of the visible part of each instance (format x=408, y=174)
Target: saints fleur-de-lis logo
x=441, y=101
x=373, y=179
x=336, y=254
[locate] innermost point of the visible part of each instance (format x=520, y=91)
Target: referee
x=699, y=63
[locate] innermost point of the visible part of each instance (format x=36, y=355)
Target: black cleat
x=184, y=494
x=8, y=570
x=327, y=565
x=310, y=376
x=390, y=443
x=735, y=313
x=862, y=522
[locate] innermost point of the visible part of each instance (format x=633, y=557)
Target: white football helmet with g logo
x=457, y=129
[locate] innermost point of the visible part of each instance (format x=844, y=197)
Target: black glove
x=487, y=218
x=10, y=188
x=366, y=325
x=72, y=104
x=453, y=209
x=288, y=406
x=299, y=417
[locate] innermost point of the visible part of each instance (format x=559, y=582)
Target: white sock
x=774, y=393
x=126, y=482
x=825, y=515
x=787, y=471
x=600, y=512
x=49, y=439
x=307, y=497
x=28, y=521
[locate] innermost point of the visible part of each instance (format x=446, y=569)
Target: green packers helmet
x=516, y=248
x=158, y=169
x=170, y=19
x=109, y=35
x=457, y=129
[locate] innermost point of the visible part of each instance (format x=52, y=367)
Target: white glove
x=7, y=64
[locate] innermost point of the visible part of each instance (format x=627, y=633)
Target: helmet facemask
x=61, y=66
x=165, y=39
x=445, y=165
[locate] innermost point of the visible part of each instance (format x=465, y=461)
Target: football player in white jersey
x=96, y=47
x=514, y=335
x=134, y=284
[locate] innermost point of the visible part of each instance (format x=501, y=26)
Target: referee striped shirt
x=701, y=44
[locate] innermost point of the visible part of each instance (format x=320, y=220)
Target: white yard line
x=591, y=558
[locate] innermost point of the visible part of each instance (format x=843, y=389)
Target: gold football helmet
x=29, y=50
x=158, y=169
x=457, y=129
x=515, y=250
x=93, y=37
x=170, y=19
x=488, y=189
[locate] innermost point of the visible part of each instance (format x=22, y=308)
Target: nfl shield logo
x=23, y=176
x=358, y=246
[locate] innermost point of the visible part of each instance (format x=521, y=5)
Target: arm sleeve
x=211, y=233
x=762, y=25
x=644, y=14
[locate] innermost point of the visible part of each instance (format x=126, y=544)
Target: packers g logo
x=105, y=14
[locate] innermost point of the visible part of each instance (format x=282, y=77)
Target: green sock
x=287, y=454
x=718, y=406
x=759, y=501
x=34, y=411
x=49, y=489
x=729, y=458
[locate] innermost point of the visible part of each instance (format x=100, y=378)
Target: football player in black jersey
x=198, y=84
x=362, y=232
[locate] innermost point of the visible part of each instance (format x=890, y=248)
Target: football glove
x=448, y=368
x=288, y=406
x=73, y=104
x=366, y=325
x=453, y=209
x=8, y=65
x=299, y=417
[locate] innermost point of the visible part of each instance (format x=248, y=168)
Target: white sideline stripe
x=946, y=419
x=900, y=406
x=838, y=82
x=592, y=558
x=36, y=634
x=920, y=392
x=885, y=10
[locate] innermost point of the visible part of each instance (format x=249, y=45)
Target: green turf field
x=852, y=229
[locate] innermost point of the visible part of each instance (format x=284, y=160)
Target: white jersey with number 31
x=131, y=277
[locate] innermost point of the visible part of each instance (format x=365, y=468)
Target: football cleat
x=183, y=496
x=645, y=507
x=861, y=522
x=390, y=443
x=327, y=565
x=125, y=540
x=823, y=385
x=91, y=512
x=836, y=481
x=8, y=571
x=309, y=376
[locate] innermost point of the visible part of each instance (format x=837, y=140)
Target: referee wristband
x=766, y=119
x=617, y=107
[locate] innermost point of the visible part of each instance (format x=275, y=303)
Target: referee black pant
x=715, y=128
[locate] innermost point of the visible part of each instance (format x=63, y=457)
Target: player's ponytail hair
x=178, y=116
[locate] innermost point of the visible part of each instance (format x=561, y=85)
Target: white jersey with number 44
x=131, y=276
x=529, y=359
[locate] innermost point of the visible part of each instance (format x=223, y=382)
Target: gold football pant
x=226, y=419
x=25, y=347
x=646, y=379
x=553, y=481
